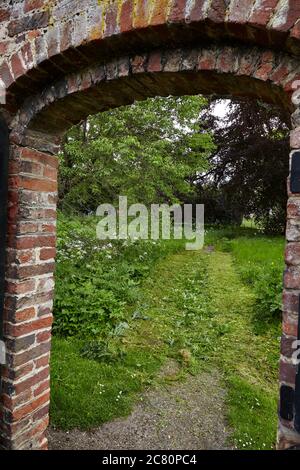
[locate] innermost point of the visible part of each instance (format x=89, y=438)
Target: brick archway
x=62, y=60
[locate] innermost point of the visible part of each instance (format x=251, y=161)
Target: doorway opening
x=146, y=328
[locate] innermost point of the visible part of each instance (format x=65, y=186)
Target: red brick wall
x=29, y=293
x=33, y=31
x=107, y=54
x=287, y=436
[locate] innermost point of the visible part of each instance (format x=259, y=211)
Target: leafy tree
x=151, y=151
x=250, y=164
x=220, y=207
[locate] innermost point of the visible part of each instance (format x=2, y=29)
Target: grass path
x=242, y=350
x=193, y=309
x=248, y=359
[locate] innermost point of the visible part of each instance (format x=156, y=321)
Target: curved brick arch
x=57, y=56
x=44, y=39
x=225, y=71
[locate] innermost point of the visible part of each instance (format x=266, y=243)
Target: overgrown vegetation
x=259, y=261
x=195, y=307
x=96, y=280
x=124, y=308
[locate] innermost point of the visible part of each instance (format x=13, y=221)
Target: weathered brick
x=28, y=327
x=126, y=16
x=39, y=157
x=16, y=360
x=197, y=12
x=288, y=345
x=4, y=14
x=240, y=11
x=18, y=303
x=42, y=361
x=295, y=138
x=141, y=15
x=42, y=387
x=285, y=16
x=291, y=277
x=207, y=60
x=287, y=372
x=5, y=74
x=289, y=323
x=17, y=66
x=20, y=287
x=22, y=229
x=293, y=207
x=217, y=11
x=177, y=11
x=266, y=66
x=21, y=344
x=111, y=20
x=295, y=32
x=14, y=401
x=27, y=439
x=41, y=413
x=262, y=12
x=66, y=36
x=30, y=5
x=37, y=241
x=25, y=314
x=47, y=253
x=29, y=22
x=27, y=409
x=36, y=184
x=159, y=12
x=18, y=373
x=138, y=64
x=66, y=41
x=291, y=300
x=227, y=59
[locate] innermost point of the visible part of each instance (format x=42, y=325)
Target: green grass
x=259, y=261
x=254, y=254
x=88, y=393
x=248, y=245
x=247, y=356
x=252, y=414
x=196, y=305
x=157, y=329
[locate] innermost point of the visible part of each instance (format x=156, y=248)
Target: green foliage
x=268, y=290
x=95, y=280
x=102, y=351
x=249, y=166
x=219, y=208
x=194, y=308
x=150, y=151
x=273, y=221
x=260, y=264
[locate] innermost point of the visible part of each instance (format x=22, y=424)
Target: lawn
x=207, y=309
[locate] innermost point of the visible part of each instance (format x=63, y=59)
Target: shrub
x=268, y=290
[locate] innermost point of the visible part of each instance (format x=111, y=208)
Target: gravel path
x=185, y=415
